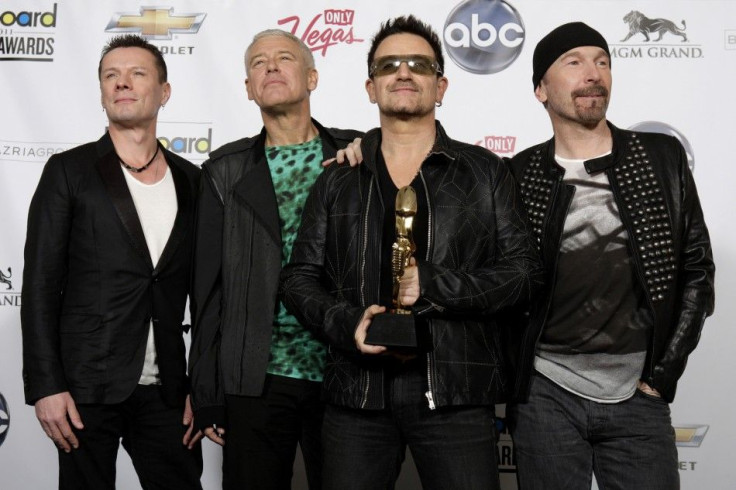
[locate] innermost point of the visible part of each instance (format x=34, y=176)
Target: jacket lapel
x=185, y=208
x=255, y=190
x=112, y=177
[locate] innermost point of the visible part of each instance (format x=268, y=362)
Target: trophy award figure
x=396, y=328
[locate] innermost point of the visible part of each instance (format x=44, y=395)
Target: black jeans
x=452, y=447
x=262, y=434
x=151, y=433
x=561, y=439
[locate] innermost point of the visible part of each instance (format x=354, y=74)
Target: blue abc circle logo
x=4, y=419
x=664, y=128
x=484, y=36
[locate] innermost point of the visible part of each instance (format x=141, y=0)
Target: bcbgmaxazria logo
x=28, y=35
x=159, y=23
x=31, y=151
x=654, y=38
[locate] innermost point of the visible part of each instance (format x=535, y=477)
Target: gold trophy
x=396, y=328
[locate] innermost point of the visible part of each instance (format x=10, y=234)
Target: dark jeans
x=452, y=447
x=151, y=433
x=262, y=434
x=561, y=439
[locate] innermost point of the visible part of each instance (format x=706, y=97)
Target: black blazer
x=90, y=288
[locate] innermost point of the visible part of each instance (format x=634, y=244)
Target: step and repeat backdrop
x=678, y=80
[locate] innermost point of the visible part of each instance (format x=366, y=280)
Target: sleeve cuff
x=209, y=416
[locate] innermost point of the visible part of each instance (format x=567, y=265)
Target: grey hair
x=306, y=52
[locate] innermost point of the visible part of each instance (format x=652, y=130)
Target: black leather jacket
x=480, y=259
x=658, y=203
x=236, y=272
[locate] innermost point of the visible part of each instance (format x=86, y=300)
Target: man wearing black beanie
x=629, y=282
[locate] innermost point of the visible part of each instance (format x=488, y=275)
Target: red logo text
x=336, y=28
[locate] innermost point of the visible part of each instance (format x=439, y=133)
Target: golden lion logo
x=5, y=279
x=640, y=23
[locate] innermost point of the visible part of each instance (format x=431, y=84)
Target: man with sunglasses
x=474, y=256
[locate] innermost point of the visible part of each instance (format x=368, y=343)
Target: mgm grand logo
x=5, y=278
x=641, y=41
x=7, y=297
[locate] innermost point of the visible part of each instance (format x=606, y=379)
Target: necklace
x=137, y=170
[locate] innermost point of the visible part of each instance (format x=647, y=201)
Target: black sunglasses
x=417, y=63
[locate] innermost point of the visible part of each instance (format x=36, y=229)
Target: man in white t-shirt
x=629, y=282
x=105, y=285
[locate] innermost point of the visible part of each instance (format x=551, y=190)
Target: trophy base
x=392, y=330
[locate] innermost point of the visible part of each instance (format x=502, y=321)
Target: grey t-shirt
x=595, y=338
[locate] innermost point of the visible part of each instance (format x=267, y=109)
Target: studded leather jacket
x=480, y=258
x=659, y=207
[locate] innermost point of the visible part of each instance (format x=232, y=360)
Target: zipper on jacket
x=428, y=394
x=365, y=245
x=429, y=216
x=367, y=382
x=429, y=239
x=554, y=273
x=557, y=254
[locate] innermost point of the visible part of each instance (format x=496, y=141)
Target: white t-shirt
x=156, y=206
x=595, y=336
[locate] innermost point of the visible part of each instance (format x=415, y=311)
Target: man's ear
x=167, y=93
x=371, y=89
x=541, y=93
x=442, y=84
x=312, y=79
x=247, y=90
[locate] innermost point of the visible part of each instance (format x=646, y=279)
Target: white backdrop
x=49, y=102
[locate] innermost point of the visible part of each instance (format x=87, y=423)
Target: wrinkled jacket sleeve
x=204, y=364
x=44, y=276
x=303, y=284
x=509, y=277
x=696, y=291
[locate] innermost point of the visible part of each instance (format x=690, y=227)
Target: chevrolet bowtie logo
x=690, y=435
x=156, y=23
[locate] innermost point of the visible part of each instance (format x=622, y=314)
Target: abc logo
x=660, y=127
x=484, y=36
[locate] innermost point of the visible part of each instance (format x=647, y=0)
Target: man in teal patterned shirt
x=256, y=372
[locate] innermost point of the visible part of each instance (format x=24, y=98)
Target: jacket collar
x=108, y=166
x=255, y=187
x=371, y=143
x=184, y=213
x=595, y=164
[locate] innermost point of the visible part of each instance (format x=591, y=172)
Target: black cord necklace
x=137, y=170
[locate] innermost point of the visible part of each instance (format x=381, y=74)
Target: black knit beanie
x=560, y=41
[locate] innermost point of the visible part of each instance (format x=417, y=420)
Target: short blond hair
x=306, y=52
